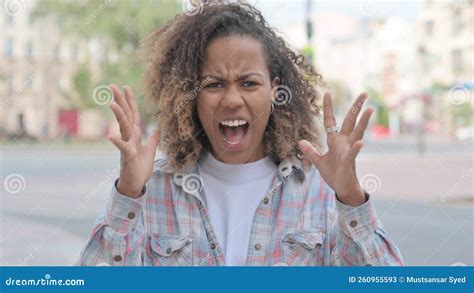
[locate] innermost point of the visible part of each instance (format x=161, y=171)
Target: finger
x=309, y=152
x=358, y=132
x=120, y=100
x=133, y=105
x=329, y=120
x=119, y=143
x=354, y=150
x=351, y=117
x=125, y=127
x=130, y=97
x=154, y=139
x=136, y=135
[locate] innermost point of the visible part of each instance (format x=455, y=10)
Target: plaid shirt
x=298, y=222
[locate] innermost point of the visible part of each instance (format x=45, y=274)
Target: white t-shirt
x=233, y=193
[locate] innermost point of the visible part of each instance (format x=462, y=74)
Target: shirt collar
x=291, y=165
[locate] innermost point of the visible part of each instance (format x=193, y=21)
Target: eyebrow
x=241, y=77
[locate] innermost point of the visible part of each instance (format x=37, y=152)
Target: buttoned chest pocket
x=303, y=248
x=169, y=250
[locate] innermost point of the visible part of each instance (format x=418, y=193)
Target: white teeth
x=233, y=123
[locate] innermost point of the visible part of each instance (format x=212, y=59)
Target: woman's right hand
x=136, y=159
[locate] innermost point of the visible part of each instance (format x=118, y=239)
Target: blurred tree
x=83, y=86
x=118, y=26
x=377, y=101
x=463, y=115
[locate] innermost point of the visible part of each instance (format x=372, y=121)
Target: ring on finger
x=332, y=129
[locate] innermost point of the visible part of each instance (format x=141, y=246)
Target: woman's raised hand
x=337, y=166
x=136, y=159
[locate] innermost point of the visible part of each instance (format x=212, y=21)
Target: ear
x=275, y=83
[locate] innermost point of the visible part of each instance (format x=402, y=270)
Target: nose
x=232, y=98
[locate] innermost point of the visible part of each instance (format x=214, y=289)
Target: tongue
x=233, y=134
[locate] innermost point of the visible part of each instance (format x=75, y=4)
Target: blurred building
x=37, y=68
x=445, y=33
x=361, y=54
x=445, y=42
x=400, y=59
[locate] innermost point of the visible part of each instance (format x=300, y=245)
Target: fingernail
x=304, y=145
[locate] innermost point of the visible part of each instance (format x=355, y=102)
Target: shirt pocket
x=169, y=250
x=303, y=248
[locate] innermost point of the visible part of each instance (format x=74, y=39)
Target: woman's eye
x=215, y=85
x=249, y=84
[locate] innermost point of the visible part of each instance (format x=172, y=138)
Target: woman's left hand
x=337, y=166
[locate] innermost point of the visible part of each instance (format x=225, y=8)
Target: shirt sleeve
x=360, y=239
x=118, y=233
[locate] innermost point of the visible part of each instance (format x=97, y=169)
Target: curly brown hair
x=174, y=55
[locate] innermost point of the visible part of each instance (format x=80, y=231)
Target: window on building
x=9, y=81
x=457, y=61
x=57, y=51
x=429, y=28
x=9, y=47
x=29, y=49
x=75, y=53
x=10, y=19
x=457, y=22
x=58, y=83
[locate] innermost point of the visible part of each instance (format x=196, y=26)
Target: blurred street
x=426, y=203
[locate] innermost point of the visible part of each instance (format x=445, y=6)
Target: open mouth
x=233, y=132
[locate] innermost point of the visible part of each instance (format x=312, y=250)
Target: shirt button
x=213, y=246
x=265, y=200
x=353, y=223
x=168, y=250
x=258, y=246
x=118, y=258
x=131, y=215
